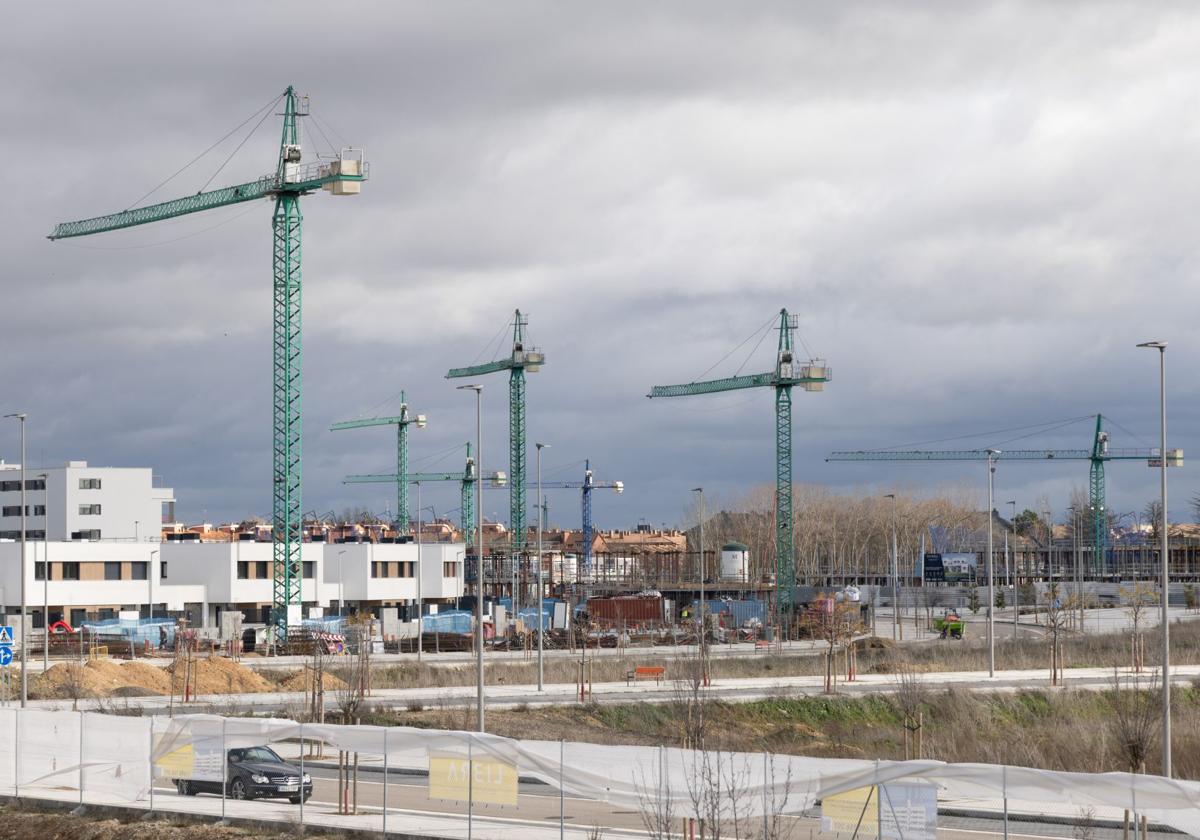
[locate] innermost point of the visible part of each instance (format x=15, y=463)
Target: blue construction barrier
x=453, y=621
x=154, y=631
x=737, y=613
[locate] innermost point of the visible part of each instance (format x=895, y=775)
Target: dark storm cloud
x=975, y=209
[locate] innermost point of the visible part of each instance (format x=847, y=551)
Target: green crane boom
x=811, y=377
x=518, y=363
x=401, y=422
x=1096, y=456
x=290, y=180
x=467, y=477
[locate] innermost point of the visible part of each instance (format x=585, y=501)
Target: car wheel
x=184, y=788
x=237, y=790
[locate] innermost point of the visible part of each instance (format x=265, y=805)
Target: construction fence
x=467, y=784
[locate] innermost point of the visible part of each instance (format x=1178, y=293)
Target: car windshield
x=255, y=754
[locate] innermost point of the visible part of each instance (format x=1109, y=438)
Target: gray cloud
x=976, y=210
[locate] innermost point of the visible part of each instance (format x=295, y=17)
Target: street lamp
x=895, y=575
x=1161, y=347
x=991, y=628
x=538, y=576
x=478, y=389
x=700, y=491
x=150, y=585
x=420, y=600
x=1010, y=561
x=24, y=607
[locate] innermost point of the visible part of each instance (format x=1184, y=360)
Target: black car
x=254, y=773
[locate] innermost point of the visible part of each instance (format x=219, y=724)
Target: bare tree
x=1057, y=612
x=1137, y=598
x=1135, y=719
x=656, y=802
x=911, y=697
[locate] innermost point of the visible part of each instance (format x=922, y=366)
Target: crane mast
x=290, y=180
x=786, y=375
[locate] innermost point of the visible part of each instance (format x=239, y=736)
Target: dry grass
x=19, y=824
x=1059, y=730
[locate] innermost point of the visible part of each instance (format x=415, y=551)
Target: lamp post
x=1161, y=347
x=538, y=575
x=895, y=576
x=1009, y=561
x=991, y=628
x=420, y=600
x=45, y=479
x=478, y=389
x=24, y=606
x=700, y=491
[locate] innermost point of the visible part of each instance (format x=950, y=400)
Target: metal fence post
x=16, y=753
x=150, y=757
x=1004, y=782
x=302, y=778
x=81, y=762
x=470, y=786
x=225, y=771
x=764, y=796
x=562, y=796
x=385, y=780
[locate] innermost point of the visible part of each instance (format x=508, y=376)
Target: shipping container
x=629, y=612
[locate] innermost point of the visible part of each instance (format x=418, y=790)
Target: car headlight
x=259, y=780
x=307, y=779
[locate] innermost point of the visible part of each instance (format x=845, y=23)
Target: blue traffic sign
x=6, y=656
x=6, y=634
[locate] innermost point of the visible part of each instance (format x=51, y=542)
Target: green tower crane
x=401, y=421
x=1099, y=454
x=467, y=477
x=810, y=377
x=520, y=361
x=290, y=180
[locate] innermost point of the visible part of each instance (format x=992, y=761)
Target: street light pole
x=538, y=576
x=991, y=627
x=478, y=389
x=150, y=585
x=1010, y=561
x=1161, y=347
x=420, y=600
x=24, y=606
x=703, y=624
x=895, y=575
x=341, y=592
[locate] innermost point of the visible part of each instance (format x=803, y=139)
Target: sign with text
x=908, y=811
x=853, y=812
x=935, y=572
x=486, y=780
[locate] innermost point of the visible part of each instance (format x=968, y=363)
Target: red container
x=630, y=612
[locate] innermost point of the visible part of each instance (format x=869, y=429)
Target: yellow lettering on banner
x=177, y=764
x=494, y=783
x=854, y=810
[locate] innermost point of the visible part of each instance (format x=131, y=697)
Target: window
x=15, y=510
x=70, y=571
x=39, y=510
x=139, y=570
x=89, y=484
x=243, y=570
x=30, y=484
x=90, y=534
x=39, y=571
x=260, y=570
x=406, y=569
x=309, y=569
x=35, y=535
x=112, y=571
x=450, y=570
x=379, y=570
x=162, y=569
x=89, y=510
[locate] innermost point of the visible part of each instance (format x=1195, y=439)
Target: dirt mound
x=152, y=679
x=874, y=643
x=300, y=681
x=99, y=678
x=224, y=676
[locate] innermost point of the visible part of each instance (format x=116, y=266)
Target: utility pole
x=1009, y=562
x=991, y=629
x=478, y=389
x=45, y=478
x=24, y=606
x=895, y=576
x=538, y=575
x=703, y=633
x=420, y=600
x=1161, y=347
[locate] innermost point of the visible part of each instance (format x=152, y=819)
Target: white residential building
x=78, y=502
x=202, y=580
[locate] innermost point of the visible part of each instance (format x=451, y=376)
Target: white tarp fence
x=47, y=750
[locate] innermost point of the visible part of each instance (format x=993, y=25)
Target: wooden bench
x=646, y=672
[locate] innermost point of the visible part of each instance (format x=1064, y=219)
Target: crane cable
x=171, y=177
x=735, y=349
x=237, y=149
x=1038, y=426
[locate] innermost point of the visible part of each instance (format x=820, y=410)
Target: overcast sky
x=975, y=209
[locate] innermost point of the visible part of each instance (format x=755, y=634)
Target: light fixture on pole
x=24, y=606
x=538, y=575
x=478, y=389
x=1161, y=347
x=991, y=627
x=702, y=623
x=150, y=585
x=895, y=576
x=420, y=599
